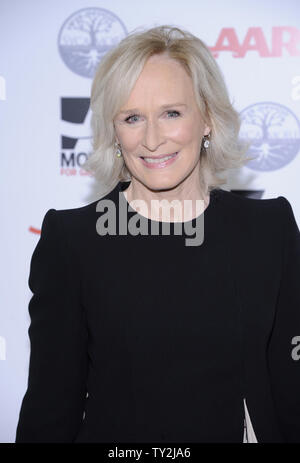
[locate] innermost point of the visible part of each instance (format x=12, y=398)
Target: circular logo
x=274, y=133
x=86, y=36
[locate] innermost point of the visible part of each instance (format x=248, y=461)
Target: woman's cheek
x=131, y=139
x=183, y=133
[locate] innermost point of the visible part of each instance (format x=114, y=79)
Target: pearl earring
x=206, y=141
x=118, y=152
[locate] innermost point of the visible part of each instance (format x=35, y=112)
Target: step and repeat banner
x=49, y=51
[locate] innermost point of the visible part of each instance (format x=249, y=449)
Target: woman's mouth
x=153, y=163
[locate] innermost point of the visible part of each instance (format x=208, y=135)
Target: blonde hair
x=115, y=78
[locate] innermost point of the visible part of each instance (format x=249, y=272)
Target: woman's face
x=161, y=118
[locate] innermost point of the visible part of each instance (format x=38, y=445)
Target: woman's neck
x=179, y=204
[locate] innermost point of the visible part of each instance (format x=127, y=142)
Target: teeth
x=150, y=160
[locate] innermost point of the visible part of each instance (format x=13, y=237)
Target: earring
x=206, y=141
x=118, y=152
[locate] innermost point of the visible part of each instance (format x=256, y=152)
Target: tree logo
x=274, y=133
x=86, y=36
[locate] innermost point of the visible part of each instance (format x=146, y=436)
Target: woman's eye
x=134, y=117
x=129, y=118
x=174, y=112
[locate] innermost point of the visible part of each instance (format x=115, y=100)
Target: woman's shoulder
x=245, y=202
x=240, y=208
x=82, y=212
x=247, y=198
x=80, y=221
x=237, y=199
x=268, y=216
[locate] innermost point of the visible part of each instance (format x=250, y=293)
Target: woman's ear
x=207, y=130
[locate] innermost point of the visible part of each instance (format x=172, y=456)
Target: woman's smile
x=154, y=163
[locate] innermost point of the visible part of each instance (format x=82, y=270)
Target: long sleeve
x=284, y=361
x=53, y=405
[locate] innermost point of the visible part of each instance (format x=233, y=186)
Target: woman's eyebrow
x=133, y=110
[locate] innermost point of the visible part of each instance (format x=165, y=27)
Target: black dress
x=137, y=338
x=181, y=324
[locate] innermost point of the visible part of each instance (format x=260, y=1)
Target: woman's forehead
x=162, y=77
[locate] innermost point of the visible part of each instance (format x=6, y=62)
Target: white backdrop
x=47, y=60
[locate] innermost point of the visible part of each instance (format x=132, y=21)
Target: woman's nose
x=153, y=136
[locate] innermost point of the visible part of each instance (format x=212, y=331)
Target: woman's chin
x=162, y=184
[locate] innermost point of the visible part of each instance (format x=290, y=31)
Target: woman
x=143, y=335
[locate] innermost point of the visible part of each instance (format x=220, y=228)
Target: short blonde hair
x=115, y=78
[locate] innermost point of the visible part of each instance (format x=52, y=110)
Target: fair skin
x=151, y=130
